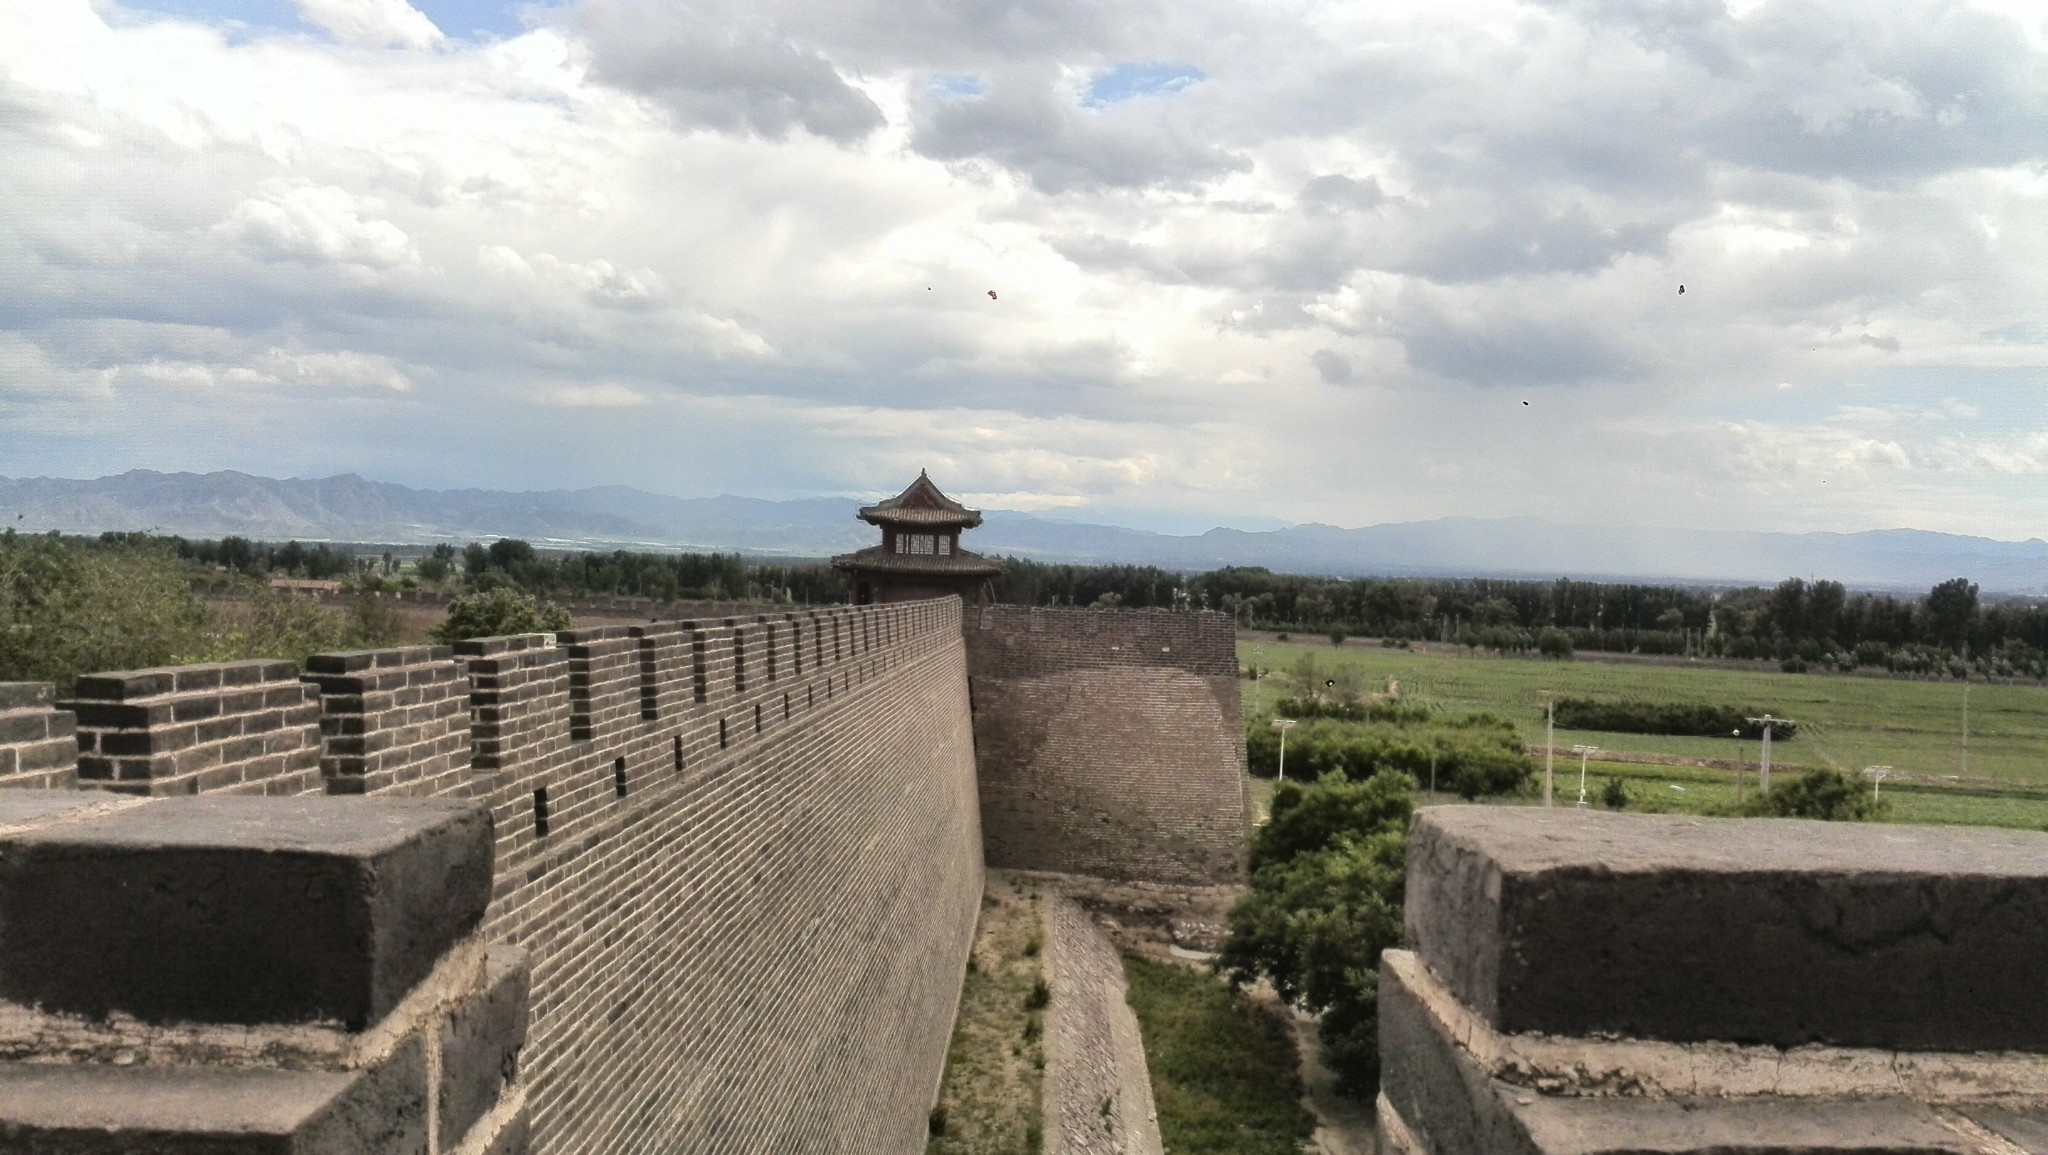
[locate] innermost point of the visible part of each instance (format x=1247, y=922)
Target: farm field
x=1846, y=722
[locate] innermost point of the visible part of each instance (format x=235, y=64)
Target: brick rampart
x=1109, y=742
x=742, y=854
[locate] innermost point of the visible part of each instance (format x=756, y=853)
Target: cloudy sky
x=1251, y=263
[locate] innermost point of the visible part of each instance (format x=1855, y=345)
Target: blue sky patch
x=958, y=87
x=1128, y=81
x=463, y=19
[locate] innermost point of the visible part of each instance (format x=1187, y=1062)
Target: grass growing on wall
x=990, y=1099
x=1225, y=1072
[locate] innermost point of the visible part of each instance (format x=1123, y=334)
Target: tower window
x=923, y=543
x=945, y=545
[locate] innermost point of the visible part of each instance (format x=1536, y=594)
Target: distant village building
x=920, y=554
x=311, y=586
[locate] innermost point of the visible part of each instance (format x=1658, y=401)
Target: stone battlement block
x=239, y=910
x=248, y=727
x=1450, y=1086
x=1769, y=931
x=38, y=742
x=392, y=720
x=101, y=1110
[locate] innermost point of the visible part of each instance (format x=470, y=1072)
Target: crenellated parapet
x=741, y=853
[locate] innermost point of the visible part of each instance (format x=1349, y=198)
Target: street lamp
x=1738, y=770
x=1583, y=752
x=1283, y=725
x=1877, y=776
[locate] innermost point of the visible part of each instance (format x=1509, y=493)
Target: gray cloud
x=1334, y=367
x=720, y=70
x=1026, y=123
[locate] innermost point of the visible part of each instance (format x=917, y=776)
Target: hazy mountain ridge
x=351, y=508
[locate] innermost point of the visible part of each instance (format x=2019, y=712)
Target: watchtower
x=920, y=554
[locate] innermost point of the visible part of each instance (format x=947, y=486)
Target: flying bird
x=1525, y=402
x=1681, y=290
x=991, y=294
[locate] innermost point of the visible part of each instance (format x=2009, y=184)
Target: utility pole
x=1763, y=773
x=1283, y=725
x=1877, y=775
x=1583, y=752
x=1549, y=742
x=1966, y=729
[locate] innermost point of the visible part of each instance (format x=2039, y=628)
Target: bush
x=1823, y=793
x=1684, y=718
x=497, y=613
x=1337, y=637
x=1384, y=710
x=1325, y=901
x=1614, y=795
x=1552, y=642
x=1473, y=755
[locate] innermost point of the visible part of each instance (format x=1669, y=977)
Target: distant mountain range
x=349, y=508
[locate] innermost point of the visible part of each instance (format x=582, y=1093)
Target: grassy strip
x=1225, y=1073
x=989, y=1101
x=1845, y=721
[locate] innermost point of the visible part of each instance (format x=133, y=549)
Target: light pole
x=1583, y=752
x=1763, y=771
x=1283, y=725
x=1877, y=775
x=1738, y=768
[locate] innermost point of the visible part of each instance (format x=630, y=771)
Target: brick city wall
x=741, y=856
x=1110, y=742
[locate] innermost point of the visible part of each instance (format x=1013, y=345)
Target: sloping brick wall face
x=1109, y=742
x=743, y=854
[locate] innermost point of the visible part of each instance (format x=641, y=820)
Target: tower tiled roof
x=922, y=505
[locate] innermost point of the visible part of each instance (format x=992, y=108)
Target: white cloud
x=606, y=396
x=747, y=247
x=372, y=23
x=318, y=223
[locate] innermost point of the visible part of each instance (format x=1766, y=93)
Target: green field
x=1846, y=722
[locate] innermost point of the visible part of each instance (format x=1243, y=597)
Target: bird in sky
x=991, y=294
x=1681, y=290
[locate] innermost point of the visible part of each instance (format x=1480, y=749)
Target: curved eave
x=875, y=560
x=921, y=518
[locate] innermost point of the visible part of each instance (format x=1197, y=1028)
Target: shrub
x=1822, y=793
x=1685, y=718
x=1614, y=795
x=1337, y=637
x=496, y=613
x=1473, y=754
x=1552, y=642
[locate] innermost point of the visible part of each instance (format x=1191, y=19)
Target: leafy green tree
x=67, y=609
x=1951, y=607
x=496, y=613
x=1325, y=901
x=1552, y=642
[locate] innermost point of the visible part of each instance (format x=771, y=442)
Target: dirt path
x=1343, y=1126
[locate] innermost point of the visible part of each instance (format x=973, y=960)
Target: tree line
x=1949, y=631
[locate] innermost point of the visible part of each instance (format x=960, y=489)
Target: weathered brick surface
x=1109, y=742
x=38, y=742
x=750, y=910
x=240, y=727
x=393, y=721
x=805, y=895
